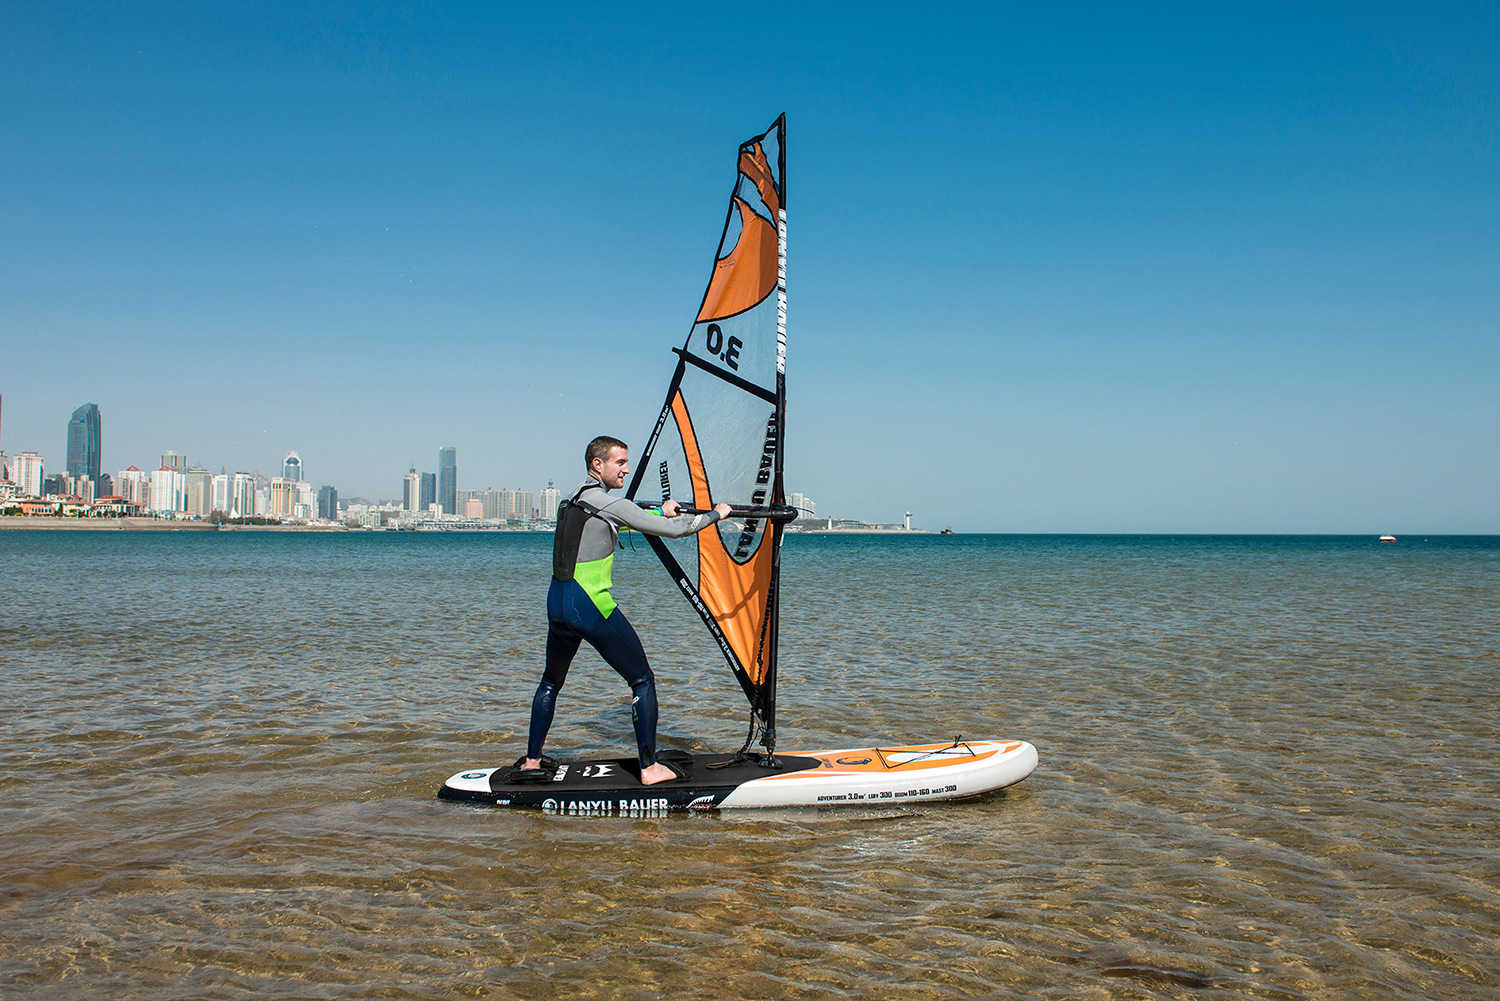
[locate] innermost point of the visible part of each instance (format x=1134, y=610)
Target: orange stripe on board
x=747, y=274
x=735, y=594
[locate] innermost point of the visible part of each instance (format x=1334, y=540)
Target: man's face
x=613, y=469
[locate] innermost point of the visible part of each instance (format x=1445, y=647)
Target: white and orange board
x=851, y=776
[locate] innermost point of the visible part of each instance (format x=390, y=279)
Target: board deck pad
x=613, y=785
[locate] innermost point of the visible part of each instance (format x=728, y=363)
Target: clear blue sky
x=1082, y=268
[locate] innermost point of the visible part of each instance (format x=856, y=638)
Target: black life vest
x=572, y=515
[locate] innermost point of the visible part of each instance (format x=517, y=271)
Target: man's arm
x=631, y=515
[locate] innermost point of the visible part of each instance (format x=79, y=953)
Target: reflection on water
x=1268, y=771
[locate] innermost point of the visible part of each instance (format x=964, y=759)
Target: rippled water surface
x=1268, y=770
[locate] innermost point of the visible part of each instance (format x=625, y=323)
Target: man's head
x=608, y=459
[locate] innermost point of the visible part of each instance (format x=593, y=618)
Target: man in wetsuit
x=580, y=606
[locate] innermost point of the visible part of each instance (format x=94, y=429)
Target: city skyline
x=1134, y=271
x=429, y=486
x=83, y=439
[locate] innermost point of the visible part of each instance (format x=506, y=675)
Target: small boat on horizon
x=1387, y=538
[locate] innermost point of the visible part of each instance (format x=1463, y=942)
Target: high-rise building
x=26, y=472
x=242, y=495
x=291, y=468
x=171, y=460
x=221, y=492
x=83, y=442
x=550, y=498
x=198, y=492
x=134, y=486
x=427, y=492
x=411, y=491
x=328, y=503
x=168, y=490
x=474, y=508
x=489, y=504
x=106, y=485
x=79, y=486
x=447, y=479
x=804, y=505
x=283, y=497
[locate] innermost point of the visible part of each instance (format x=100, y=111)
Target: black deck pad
x=613, y=786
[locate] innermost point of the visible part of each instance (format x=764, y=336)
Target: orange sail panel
x=747, y=275
x=754, y=165
x=735, y=593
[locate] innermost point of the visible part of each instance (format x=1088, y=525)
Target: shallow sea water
x=1269, y=769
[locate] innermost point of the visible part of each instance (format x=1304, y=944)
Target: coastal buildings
x=179, y=490
x=447, y=479
x=83, y=442
x=26, y=473
x=134, y=486
x=499, y=505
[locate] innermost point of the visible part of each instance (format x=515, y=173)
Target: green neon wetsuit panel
x=596, y=579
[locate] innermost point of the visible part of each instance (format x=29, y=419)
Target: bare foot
x=658, y=772
x=531, y=765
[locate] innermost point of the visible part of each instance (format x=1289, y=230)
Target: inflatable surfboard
x=851, y=776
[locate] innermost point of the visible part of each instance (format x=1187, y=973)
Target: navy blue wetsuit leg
x=571, y=618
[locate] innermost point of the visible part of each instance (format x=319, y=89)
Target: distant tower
x=447, y=479
x=328, y=503
x=291, y=467
x=83, y=442
x=427, y=492
x=551, y=497
x=410, y=490
x=171, y=460
x=907, y=523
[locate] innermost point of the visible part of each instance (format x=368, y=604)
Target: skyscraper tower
x=83, y=443
x=427, y=492
x=410, y=490
x=291, y=467
x=447, y=479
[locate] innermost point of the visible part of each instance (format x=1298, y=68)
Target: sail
x=719, y=436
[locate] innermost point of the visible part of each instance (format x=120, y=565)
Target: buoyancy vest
x=572, y=515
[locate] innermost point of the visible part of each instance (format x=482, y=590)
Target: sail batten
x=721, y=429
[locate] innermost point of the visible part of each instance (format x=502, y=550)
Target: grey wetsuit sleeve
x=630, y=515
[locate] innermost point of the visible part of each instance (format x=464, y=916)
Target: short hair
x=600, y=448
